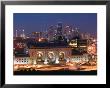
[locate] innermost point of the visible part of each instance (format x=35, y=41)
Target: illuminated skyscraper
x=59, y=29
x=51, y=33
x=16, y=33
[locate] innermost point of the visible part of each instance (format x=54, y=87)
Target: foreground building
x=47, y=55
x=58, y=51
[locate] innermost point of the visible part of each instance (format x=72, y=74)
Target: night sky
x=31, y=22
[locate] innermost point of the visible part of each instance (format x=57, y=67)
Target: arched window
x=39, y=56
x=61, y=56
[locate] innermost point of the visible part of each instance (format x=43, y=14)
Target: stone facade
x=47, y=55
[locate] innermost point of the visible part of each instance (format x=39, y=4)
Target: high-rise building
x=51, y=33
x=76, y=34
x=59, y=29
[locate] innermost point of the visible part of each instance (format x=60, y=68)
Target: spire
x=16, y=33
x=23, y=31
x=23, y=35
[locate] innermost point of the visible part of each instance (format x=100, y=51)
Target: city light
x=40, y=39
x=73, y=44
x=83, y=46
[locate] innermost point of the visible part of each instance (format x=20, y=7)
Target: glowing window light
x=40, y=40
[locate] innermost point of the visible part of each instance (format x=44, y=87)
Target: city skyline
x=61, y=43
x=31, y=22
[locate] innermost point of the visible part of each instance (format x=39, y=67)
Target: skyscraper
x=59, y=29
x=51, y=33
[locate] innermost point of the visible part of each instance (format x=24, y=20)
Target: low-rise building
x=79, y=58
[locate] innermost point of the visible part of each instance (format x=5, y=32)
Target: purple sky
x=30, y=22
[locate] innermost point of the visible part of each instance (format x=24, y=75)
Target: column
x=57, y=56
x=67, y=56
x=34, y=60
x=45, y=59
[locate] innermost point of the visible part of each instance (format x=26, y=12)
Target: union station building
x=52, y=53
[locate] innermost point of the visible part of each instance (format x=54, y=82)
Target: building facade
x=79, y=58
x=49, y=55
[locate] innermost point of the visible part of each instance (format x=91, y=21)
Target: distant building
x=79, y=45
x=59, y=29
x=79, y=58
x=20, y=46
x=22, y=60
x=82, y=44
x=51, y=32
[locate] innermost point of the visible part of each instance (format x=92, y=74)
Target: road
x=54, y=67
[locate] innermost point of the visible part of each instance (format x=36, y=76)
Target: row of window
x=22, y=60
x=80, y=57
